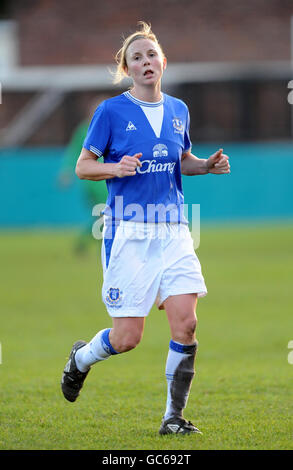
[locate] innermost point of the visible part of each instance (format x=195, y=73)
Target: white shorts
x=144, y=264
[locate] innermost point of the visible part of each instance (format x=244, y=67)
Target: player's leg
x=124, y=336
x=126, y=333
x=180, y=310
x=131, y=282
x=181, y=314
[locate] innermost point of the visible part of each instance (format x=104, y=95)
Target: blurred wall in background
x=230, y=61
x=238, y=54
x=90, y=32
x=258, y=189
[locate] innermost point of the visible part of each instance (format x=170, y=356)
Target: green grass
x=241, y=396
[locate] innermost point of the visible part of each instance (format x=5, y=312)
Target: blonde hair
x=144, y=33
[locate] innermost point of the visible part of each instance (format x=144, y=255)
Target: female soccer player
x=147, y=252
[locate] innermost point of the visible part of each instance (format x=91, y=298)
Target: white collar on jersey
x=143, y=103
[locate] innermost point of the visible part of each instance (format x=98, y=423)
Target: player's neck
x=148, y=94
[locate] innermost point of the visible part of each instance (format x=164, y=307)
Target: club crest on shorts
x=114, y=297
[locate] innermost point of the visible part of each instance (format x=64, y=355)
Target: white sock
x=98, y=349
x=179, y=375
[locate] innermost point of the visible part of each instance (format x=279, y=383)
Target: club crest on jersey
x=160, y=150
x=130, y=127
x=113, y=297
x=178, y=126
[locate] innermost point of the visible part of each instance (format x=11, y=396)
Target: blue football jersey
x=119, y=127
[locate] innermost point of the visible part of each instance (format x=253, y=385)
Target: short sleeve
x=99, y=131
x=187, y=142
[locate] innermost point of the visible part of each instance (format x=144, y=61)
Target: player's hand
x=127, y=165
x=218, y=163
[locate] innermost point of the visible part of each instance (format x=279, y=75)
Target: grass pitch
x=241, y=396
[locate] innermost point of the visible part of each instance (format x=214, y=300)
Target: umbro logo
x=174, y=428
x=130, y=127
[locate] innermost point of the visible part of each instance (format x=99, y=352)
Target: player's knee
x=187, y=330
x=128, y=342
x=192, y=325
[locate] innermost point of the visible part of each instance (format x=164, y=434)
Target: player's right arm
x=89, y=168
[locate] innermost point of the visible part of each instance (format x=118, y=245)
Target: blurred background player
x=93, y=192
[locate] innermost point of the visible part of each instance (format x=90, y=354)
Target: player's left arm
x=218, y=163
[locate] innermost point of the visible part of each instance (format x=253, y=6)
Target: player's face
x=145, y=62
